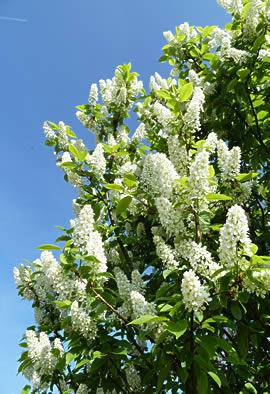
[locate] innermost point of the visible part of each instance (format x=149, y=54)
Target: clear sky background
x=46, y=67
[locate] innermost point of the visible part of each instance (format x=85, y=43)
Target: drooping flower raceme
x=195, y=107
x=82, y=322
x=158, y=175
x=234, y=241
x=87, y=239
x=195, y=294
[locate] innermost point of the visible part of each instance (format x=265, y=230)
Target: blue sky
x=47, y=65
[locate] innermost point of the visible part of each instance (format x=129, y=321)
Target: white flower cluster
x=178, y=155
x=194, y=108
x=188, y=31
x=131, y=292
x=158, y=175
x=133, y=379
x=198, y=256
x=163, y=114
x=97, y=161
x=82, y=322
x=199, y=176
x=93, y=94
x=233, y=6
x=228, y=160
x=87, y=239
x=116, y=92
x=83, y=118
x=221, y=41
x=169, y=218
x=261, y=277
x=165, y=253
x=168, y=35
x=22, y=277
x=140, y=306
x=252, y=17
x=41, y=352
x=157, y=82
x=195, y=294
x=60, y=136
x=140, y=132
x=234, y=239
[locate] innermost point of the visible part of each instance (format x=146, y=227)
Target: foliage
x=161, y=282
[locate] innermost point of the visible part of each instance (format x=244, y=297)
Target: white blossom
x=198, y=256
x=140, y=306
x=228, y=160
x=97, y=161
x=195, y=294
x=178, y=155
x=194, y=108
x=82, y=322
x=163, y=114
x=158, y=175
x=140, y=132
x=87, y=239
x=165, y=253
x=199, y=175
x=234, y=239
x=168, y=35
x=233, y=6
x=93, y=94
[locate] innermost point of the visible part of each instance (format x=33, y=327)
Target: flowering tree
x=160, y=283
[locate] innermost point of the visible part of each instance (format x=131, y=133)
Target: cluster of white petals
x=234, y=240
x=195, y=294
x=87, y=239
x=163, y=114
x=93, y=94
x=42, y=354
x=97, y=161
x=228, y=160
x=165, y=253
x=233, y=6
x=158, y=175
x=82, y=322
x=178, y=154
x=199, y=258
x=194, y=108
x=140, y=306
x=199, y=175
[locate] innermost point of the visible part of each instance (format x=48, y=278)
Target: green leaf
x=123, y=204
x=243, y=73
x=236, y=311
x=186, y=92
x=246, y=176
x=251, y=388
x=82, y=363
x=215, y=378
x=148, y=319
x=202, y=383
x=48, y=247
x=63, y=304
x=114, y=186
x=217, y=197
x=178, y=328
x=73, y=150
x=254, y=248
x=26, y=389
x=70, y=357
x=130, y=180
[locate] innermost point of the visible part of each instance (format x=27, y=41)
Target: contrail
x=8, y=18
